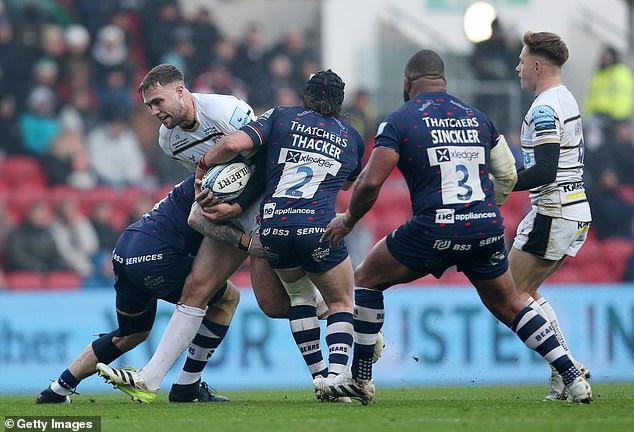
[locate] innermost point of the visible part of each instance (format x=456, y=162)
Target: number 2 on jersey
x=303, y=173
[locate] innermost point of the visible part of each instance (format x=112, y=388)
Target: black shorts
x=295, y=247
x=483, y=257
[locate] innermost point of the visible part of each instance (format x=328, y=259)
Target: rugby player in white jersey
x=552, y=144
x=191, y=124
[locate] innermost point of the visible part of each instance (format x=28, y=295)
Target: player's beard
x=405, y=95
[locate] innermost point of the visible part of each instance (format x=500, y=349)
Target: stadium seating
x=63, y=280
x=25, y=281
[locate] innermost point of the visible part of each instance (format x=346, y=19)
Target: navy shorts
x=147, y=269
x=481, y=258
x=294, y=247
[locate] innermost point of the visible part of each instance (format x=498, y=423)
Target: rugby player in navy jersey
x=311, y=154
x=151, y=261
x=446, y=150
x=191, y=123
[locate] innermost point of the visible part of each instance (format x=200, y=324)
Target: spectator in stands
x=114, y=151
x=101, y=218
x=612, y=214
x=225, y=52
x=280, y=76
x=113, y=71
x=182, y=51
x=76, y=61
x=11, y=136
x=623, y=152
x=363, y=115
x=159, y=18
x=115, y=89
x=142, y=205
x=74, y=236
x=494, y=59
x=31, y=246
x=39, y=124
x=15, y=63
x=217, y=78
x=293, y=46
x=206, y=31
x=67, y=162
x=52, y=43
x=251, y=65
x=80, y=114
x=611, y=93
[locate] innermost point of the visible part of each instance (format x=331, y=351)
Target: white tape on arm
x=503, y=170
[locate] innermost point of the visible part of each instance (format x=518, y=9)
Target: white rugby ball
x=227, y=181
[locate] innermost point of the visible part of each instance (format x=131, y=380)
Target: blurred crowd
x=79, y=157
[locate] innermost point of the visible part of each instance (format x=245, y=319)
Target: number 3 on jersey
x=460, y=172
x=303, y=173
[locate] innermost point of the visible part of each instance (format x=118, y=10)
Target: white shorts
x=550, y=238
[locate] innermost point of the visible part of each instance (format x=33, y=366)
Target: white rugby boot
x=343, y=385
x=579, y=391
x=129, y=381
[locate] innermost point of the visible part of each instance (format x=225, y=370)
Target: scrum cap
x=325, y=86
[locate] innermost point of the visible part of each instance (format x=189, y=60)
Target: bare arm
x=222, y=232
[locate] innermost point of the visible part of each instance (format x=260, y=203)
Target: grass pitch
x=473, y=409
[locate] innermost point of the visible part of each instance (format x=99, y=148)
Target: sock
x=306, y=332
x=177, y=335
x=538, y=335
x=209, y=336
x=339, y=338
x=368, y=321
x=551, y=317
x=65, y=384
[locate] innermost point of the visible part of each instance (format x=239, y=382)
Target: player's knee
x=364, y=279
x=273, y=308
x=111, y=346
x=230, y=298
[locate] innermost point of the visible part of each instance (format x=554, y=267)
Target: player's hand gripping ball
x=227, y=181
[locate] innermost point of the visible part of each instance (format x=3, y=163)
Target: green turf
x=474, y=409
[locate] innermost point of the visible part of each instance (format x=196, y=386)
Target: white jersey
x=216, y=116
x=554, y=118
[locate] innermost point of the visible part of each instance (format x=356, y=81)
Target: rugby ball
x=227, y=181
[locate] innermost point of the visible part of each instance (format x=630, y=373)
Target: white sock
x=178, y=334
x=551, y=317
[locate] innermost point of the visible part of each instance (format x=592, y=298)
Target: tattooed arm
x=225, y=233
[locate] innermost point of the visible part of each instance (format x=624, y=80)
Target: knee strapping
x=301, y=292
x=106, y=351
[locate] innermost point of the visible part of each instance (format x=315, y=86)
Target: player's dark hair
x=425, y=64
x=547, y=45
x=323, y=93
x=162, y=74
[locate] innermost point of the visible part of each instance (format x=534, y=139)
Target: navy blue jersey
x=308, y=158
x=167, y=220
x=444, y=150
